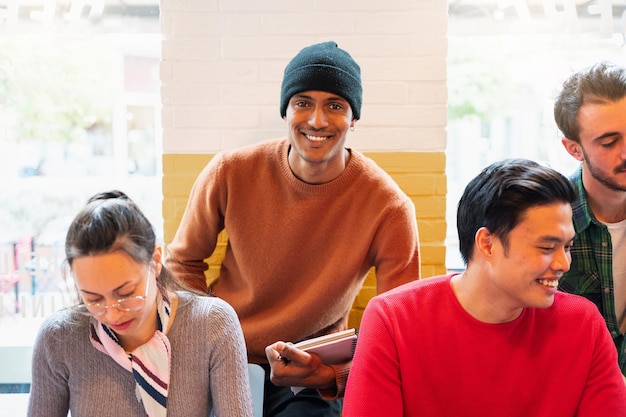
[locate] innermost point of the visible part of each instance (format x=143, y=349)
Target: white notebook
x=332, y=348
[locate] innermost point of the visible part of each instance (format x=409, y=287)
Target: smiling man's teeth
x=316, y=138
x=548, y=282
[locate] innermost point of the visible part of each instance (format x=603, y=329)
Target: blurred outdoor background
x=507, y=60
x=79, y=114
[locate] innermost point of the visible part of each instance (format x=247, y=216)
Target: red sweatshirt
x=420, y=353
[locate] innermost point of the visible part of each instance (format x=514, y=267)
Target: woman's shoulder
x=63, y=327
x=194, y=305
x=64, y=319
x=203, y=319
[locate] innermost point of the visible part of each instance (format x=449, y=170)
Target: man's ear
x=483, y=241
x=573, y=148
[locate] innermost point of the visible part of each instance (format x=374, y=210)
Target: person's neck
x=319, y=173
x=608, y=205
x=471, y=290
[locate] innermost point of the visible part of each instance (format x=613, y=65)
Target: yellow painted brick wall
x=420, y=174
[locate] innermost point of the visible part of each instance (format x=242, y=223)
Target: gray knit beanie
x=323, y=67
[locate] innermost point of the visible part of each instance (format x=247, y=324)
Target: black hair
x=499, y=196
x=110, y=222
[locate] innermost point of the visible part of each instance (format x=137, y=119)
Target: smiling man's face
x=318, y=123
x=527, y=270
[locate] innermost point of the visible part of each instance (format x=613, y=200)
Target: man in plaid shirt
x=590, y=111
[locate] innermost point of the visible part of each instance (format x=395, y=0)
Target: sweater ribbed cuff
x=341, y=377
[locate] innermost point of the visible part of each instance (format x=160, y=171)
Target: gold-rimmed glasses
x=127, y=304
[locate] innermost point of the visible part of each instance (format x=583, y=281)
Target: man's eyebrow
x=333, y=97
x=555, y=239
x=605, y=135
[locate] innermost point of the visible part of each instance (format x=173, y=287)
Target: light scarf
x=149, y=363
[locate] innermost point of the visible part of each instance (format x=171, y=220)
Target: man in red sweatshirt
x=497, y=339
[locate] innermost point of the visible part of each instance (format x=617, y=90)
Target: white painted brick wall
x=223, y=60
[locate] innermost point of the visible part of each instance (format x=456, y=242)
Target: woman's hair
x=112, y=222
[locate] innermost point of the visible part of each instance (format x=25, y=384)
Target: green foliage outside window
x=57, y=87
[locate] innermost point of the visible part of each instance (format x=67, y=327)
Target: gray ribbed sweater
x=209, y=367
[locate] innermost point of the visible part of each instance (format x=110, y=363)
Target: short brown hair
x=603, y=82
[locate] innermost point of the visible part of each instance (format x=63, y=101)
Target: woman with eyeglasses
x=139, y=343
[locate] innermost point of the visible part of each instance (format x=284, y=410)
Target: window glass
x=506, y=63
x=79, y=114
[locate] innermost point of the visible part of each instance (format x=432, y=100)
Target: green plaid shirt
x=591, y=273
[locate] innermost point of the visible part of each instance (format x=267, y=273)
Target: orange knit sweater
x=297, y=253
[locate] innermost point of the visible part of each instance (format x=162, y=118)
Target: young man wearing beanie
x=306, y=219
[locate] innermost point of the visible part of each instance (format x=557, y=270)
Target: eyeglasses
x=124, y=304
